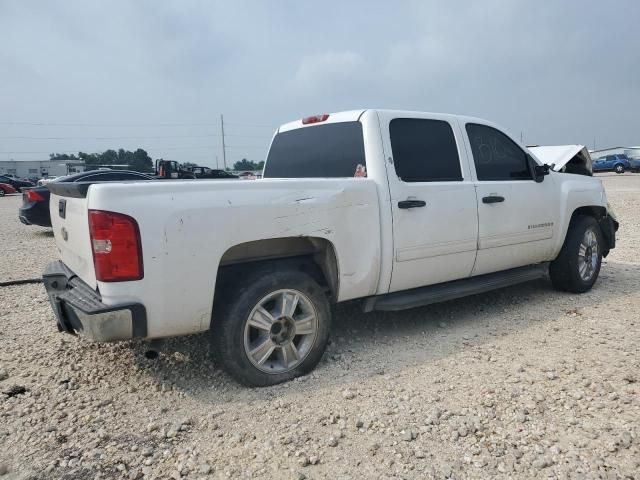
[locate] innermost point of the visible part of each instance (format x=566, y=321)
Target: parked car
x=45, y=180
x=206, y=172
x=612, y=163
x=634, y=164
x=397, y=209
x=247, y=176
x=35, y=201
x=5, y=189
x=15, y=182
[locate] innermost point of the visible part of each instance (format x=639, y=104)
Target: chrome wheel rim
x=588, y=255
x=280, y=331
x=619, y=168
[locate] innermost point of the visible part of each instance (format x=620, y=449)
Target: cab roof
x=354, y=116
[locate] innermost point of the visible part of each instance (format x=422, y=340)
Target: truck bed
x=187, y=226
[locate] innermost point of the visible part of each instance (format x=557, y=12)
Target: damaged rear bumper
x=79, y=308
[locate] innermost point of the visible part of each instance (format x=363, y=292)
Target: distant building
x=40, y=168
x=631, y=152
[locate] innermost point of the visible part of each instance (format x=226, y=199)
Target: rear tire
x=270, y=327
x=1, y=193
x=619, y=168
x=577, y=266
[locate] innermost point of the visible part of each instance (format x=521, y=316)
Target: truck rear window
x=321, y=151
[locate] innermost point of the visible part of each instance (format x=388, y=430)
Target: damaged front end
x=565, y=158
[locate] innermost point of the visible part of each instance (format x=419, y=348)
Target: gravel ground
x=524, y=382
x=25, y=249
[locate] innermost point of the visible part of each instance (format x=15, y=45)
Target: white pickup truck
x=398, y=209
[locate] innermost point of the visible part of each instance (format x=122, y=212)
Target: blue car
x=612, y=163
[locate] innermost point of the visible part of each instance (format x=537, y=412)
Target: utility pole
x=224, y=152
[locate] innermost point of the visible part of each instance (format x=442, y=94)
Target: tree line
x=245, y=164
x=140, y=161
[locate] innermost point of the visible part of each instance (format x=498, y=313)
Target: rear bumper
x=79, y=308
x=35, y=214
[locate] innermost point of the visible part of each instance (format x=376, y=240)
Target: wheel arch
x=315, y=256
x=596, y=211
x=607, y=225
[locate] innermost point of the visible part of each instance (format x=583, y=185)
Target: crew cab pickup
x=396, y=209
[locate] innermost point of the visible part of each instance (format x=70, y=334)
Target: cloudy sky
x=91, y=75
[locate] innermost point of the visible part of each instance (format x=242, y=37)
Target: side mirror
x=541, y=171
x=538, y=172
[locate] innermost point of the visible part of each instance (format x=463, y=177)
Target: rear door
x=433, y=201
x=517, y=216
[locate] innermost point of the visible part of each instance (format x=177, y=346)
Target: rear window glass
x=424, y=150
x=321, y=151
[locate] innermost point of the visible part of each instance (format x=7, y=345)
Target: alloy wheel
x=280, y=331
x=588, y=255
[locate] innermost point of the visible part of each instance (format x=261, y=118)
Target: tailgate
x=69, y=220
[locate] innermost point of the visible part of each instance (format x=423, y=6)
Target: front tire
x=577, y=266
x=271, y=327
x=619, y=168
x=1, y=193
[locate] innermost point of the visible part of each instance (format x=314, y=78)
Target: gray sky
x=158, y=74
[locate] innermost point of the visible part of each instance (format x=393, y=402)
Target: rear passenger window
x=424, y=150
x=320, y=151
x=496, y=156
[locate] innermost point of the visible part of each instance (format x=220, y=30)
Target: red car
x=5, y=188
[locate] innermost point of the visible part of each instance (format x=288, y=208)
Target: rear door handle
x=411, y=203
x=492, y=199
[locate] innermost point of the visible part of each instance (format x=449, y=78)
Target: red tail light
x=117, y=250
x=33, y=197
x=315, y=119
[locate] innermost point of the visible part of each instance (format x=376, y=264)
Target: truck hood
x=560, y=155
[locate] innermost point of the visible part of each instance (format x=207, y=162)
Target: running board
x=442, y=292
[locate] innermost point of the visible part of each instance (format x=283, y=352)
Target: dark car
x=634, y=164
x=616, y=163
x=206, y=172
x=35, y=201
x=15, y=182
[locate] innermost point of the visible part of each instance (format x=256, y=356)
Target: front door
x=516, y=215
x=433, y=200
